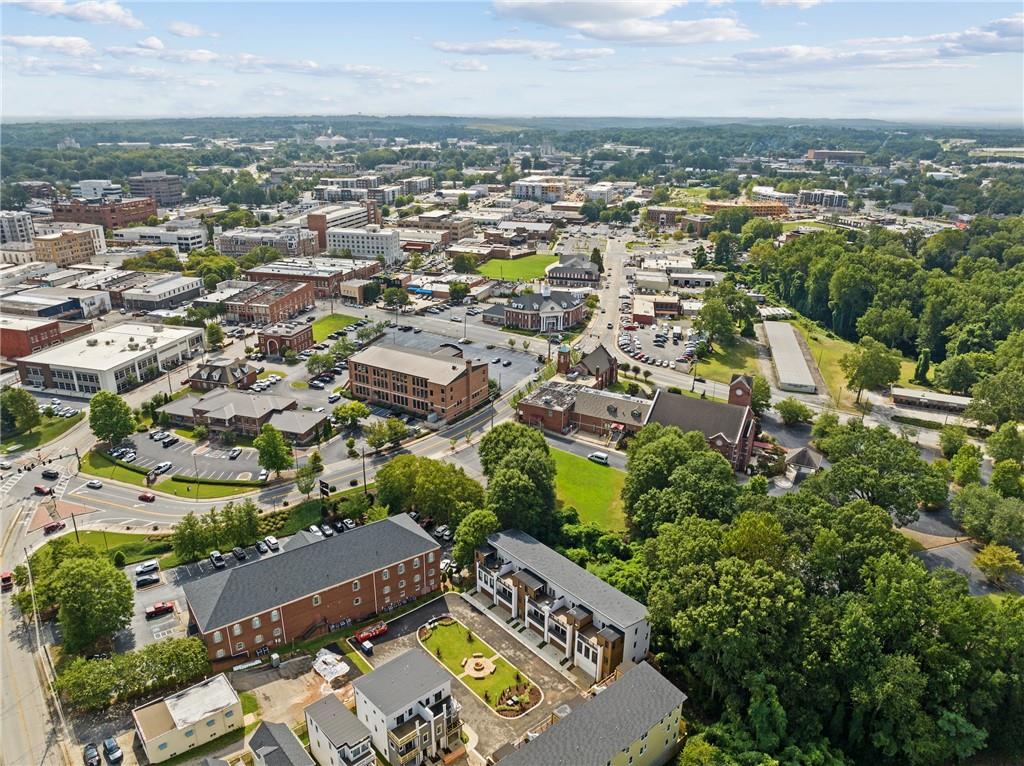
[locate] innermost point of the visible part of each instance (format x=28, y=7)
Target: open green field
x=324, y=326
x=828, y=351
x=726, y=361
x=529, y=267
x=790, y=225
x=593, y=490
x=135, y=547
x=449, y=645
x=47, y=430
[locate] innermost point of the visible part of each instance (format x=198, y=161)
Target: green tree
x=342, y=348
x=305, y=480
x=924, y=361
x=951, y=439
x=316, y=462
x=1007, y=479
x=463, y=201
x=760, y=396
x=240, y=522
x=997, y=562
x=274, y=454
x=793, y=411
x=505, y=437
x=966, y=465
x=20, y=406
x=715, y=320
x=317, y=364
x=463, y=263
x=95, y=599
x=1007, y=443
x=726, y=248
x=870, y=365
x=377, y=435
x=956, y=374
x=214, y=335
x=348, y=414
x=395, y=296
x=110, y=417
x=472, y=533
x=458, y=291
x=998, y=398
x=597, y=258
x=511, y=497
x=190, y=538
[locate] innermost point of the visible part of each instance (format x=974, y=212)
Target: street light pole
x=364, y=470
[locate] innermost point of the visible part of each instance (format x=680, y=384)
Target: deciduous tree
x=95, y=599
x=110, y=417
x=274, y=453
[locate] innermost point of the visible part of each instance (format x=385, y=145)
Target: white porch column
x=570, y=641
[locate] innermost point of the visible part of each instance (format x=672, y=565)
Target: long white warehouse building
x=788, y=358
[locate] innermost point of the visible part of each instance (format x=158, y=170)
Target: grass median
x=97, y=464
x=47, y=430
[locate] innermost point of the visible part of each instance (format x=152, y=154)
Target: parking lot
x=658, y=345
x=185, y=456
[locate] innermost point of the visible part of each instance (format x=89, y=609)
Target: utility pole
x=364, y=470
x=195, y=466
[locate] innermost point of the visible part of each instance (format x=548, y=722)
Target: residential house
x=336, y=736
x=274, y=744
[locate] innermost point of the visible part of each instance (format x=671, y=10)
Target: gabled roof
x=556, y=569
x=598, y=360
x=233, y=594
x=406, y=678
x=601, y=728
x=440, y=366
x=277, y=745
x=705, y=415
x=337, y=722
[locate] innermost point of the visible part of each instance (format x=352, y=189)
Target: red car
x=372, y=631
x=6, y=581
x=158, y=609
x=39, y=489
x=53, y=526
x=147, y=497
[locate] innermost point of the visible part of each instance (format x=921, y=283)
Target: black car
x=261, y=547
x=112, y=750
x=338, y=526
x=143, y=581
x=91, y=755
x=50, y=473
x=238, y=553
x=170, y=442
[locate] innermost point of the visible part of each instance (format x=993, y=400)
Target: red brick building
x=325, y=274
x=313, y=586
x=274, y=340
x=548, y=311
x=110, y=214
x=22, y=335
x=272, y=300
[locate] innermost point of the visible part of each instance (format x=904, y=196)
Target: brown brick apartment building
x=65, y=248
x=439, y=383
x=272, y=300
x=758, y=208
x=314, y=586
x=110, y=214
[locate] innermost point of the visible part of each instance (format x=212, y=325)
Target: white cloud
x=633, y=22
x=31, y=66
x=68, y=46
x=153, y=47
x=466, y=65
x=89, y=11
x=801, y=4
x=185, y=29
x=152, y=43
x=538, y=49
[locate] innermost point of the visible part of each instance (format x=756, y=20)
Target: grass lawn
x=299, y=384
x=791, y=225
x=530, y=267
x=188, y=433
x=324, y=326
x=100, y=465
x=827, y=352
x=593, y=490
x=740, y=357
x=47, y=430
x=206, y=491
x=135, y=547
x=249, y=703
x=453, y=645
x=268, y=373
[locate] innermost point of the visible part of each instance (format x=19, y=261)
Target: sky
x=954, y=62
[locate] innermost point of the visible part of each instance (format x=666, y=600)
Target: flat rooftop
x=187, y=707
x=310, y=267
x=790, y=363
x=8, y=322
x=110, y=349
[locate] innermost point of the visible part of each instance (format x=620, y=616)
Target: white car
x=272, y=542
x=446, y=564
x=5, y=465
x=314, y=529
x=94, y=484
x=163, y=467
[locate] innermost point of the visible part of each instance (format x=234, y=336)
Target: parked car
x=239, y=553
x=338, y=525
x=112, y=750
x=315, y=530
x=159, y=609
x=163, y=467
x=264, y=474
x=91, y=755
x=146, y=567
x=128, y=457
x=349, y=523
x=234, y=453
x=333, y=398
x=272, y=542
x=439, y=532
x=261, y=547
x=146, y=580
x=147, y=497
x=325, y=530
x=217, y=560
x=170, y=441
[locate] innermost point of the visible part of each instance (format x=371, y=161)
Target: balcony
x=405, y=732
x=409, y=756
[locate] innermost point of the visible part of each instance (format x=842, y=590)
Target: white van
x=147, y=566
x=598, y=457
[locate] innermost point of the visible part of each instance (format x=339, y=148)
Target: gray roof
x=406, y=678
x=688, y=413
x=337, y=722
x=604, y=726
x=212, y=761
x=553, y=301
x=599, y=359
x=233, y=594
x=556, y=569
x=296, y=422
x=277, y=745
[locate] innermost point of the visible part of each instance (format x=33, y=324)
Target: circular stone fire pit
x=479, y=667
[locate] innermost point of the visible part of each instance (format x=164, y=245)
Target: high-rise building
x=164, y=188
x=15, y=226
x=97, y=189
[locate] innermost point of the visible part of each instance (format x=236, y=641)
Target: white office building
x=15, y=226
x=369, y=242
x=539, y=188
x=164, y=292
x=771, y=194
x=824, y=198
x=184, y=239
x=97, y=188
x=111, y=360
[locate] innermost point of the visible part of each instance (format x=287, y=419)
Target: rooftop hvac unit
x=92, y=342
x=151, y=341
x=133, y=346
